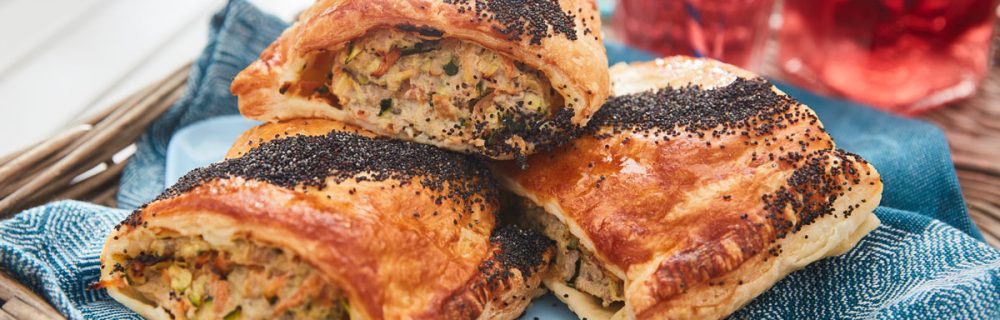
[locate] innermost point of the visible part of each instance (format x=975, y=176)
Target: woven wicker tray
x=85, y=163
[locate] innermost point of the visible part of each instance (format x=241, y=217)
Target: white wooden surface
x=60, y=60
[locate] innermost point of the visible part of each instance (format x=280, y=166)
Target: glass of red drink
x=903, y=56
x=733, y=31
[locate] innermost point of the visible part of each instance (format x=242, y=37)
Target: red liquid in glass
x=903, y=56
x=733, y=31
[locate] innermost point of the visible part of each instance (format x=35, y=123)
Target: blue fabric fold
x=927, y=259
x=237, y=35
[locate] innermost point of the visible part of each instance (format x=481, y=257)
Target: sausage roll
x=693, y=190
x=497, y=78
x=314, y=219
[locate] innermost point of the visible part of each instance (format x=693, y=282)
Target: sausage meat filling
x=439, y=88
x=574, y=264
x=192, y=280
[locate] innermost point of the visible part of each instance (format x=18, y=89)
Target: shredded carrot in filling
x=192, y=280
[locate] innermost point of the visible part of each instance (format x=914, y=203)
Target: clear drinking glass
x=904, y=56
x=733, y=31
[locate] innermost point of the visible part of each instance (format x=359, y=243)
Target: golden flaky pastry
x=314, y=219
x=693, y=190
x=499, y=78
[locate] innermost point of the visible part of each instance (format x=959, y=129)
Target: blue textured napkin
x=927, y=259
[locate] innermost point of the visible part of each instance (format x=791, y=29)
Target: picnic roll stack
x=372, y=192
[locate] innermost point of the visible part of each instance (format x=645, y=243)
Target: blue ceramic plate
x=205, y=142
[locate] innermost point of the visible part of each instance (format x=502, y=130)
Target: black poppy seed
x=311, y=160
x=745, y=103
x=513, y=248
x=517, y=19
x=811, y=190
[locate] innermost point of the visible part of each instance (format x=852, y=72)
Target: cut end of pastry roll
x=492, y=78
x=695, y=189
x=314, y=219
x=163, y=271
